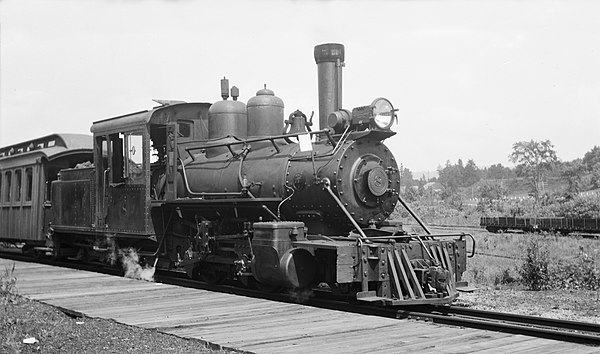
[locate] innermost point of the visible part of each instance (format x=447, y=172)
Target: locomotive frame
x=216, y=191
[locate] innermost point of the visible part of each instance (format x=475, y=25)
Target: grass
x=8, y=297
x=500, y=259
x=8, y=285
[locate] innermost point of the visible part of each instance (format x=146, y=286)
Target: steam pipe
x=327, y=186
x=265, y=138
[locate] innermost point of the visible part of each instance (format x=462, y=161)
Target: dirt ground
x=579, y=305
x=28, y=326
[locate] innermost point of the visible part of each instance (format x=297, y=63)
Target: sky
x=469, y=78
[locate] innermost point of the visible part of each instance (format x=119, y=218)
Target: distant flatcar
x=562, y=225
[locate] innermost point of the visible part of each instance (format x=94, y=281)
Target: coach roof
x=50, y=147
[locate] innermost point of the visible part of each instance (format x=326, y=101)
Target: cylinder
x=265, y=114
x=330, y=60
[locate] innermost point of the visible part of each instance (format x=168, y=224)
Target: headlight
x=383, y=113
x=379, y=116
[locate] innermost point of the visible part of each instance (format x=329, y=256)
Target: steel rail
x=541, y=321
x=533, y=326
x=562, y=330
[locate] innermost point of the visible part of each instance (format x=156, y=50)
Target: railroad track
x=562, y=330
x=454, y=227
x=541, y=327
x=550, y=328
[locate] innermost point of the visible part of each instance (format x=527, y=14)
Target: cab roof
x=157, y=115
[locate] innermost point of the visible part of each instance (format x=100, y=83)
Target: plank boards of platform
x=255, y=325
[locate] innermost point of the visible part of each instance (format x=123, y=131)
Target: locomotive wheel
x=252, y=283
x=341, y=289
x=192, y=271
x=268, y=288
x=212, y=273
x=32, y=252
x=83, y=255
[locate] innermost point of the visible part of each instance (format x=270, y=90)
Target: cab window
x=185, y=129
x=134, y=154
x=127, y=158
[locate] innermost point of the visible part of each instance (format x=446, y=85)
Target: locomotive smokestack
x=330, y=60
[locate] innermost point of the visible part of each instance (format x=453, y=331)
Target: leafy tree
x=574, y=173
x=490, y=195
x=591, y=160
x=406, y=177
x=411, y=194
x=471, y=174
x=596, y=177
x=592, y=157
x=580, y=207
x=534, y=160
x=499, y=172
x=453, y=177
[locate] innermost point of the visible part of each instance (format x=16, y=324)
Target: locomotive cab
x=136, y=159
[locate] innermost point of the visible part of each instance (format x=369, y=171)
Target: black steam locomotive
x=235, y=191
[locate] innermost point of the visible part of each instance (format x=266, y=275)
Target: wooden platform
x=256, y=325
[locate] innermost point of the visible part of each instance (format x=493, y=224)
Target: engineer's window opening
x=134, y=157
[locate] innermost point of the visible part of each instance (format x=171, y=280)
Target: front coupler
x=404, y=272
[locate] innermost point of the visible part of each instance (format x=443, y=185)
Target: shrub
x=534, y=270
x=579, y=207
x=504, y=278
x=575, y=274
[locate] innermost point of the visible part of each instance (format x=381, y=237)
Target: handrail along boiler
x=235, y=191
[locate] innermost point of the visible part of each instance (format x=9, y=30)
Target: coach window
x=7, y=182
x=1, y=191
x=28, y=183
x=18, y=184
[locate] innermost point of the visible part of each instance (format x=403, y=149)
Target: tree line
x=536, y=164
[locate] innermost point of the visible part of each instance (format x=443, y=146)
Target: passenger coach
x=26, y=172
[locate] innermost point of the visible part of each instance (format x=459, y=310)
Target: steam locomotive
x=234, y=191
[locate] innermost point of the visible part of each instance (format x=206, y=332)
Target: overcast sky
x=469, y=78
